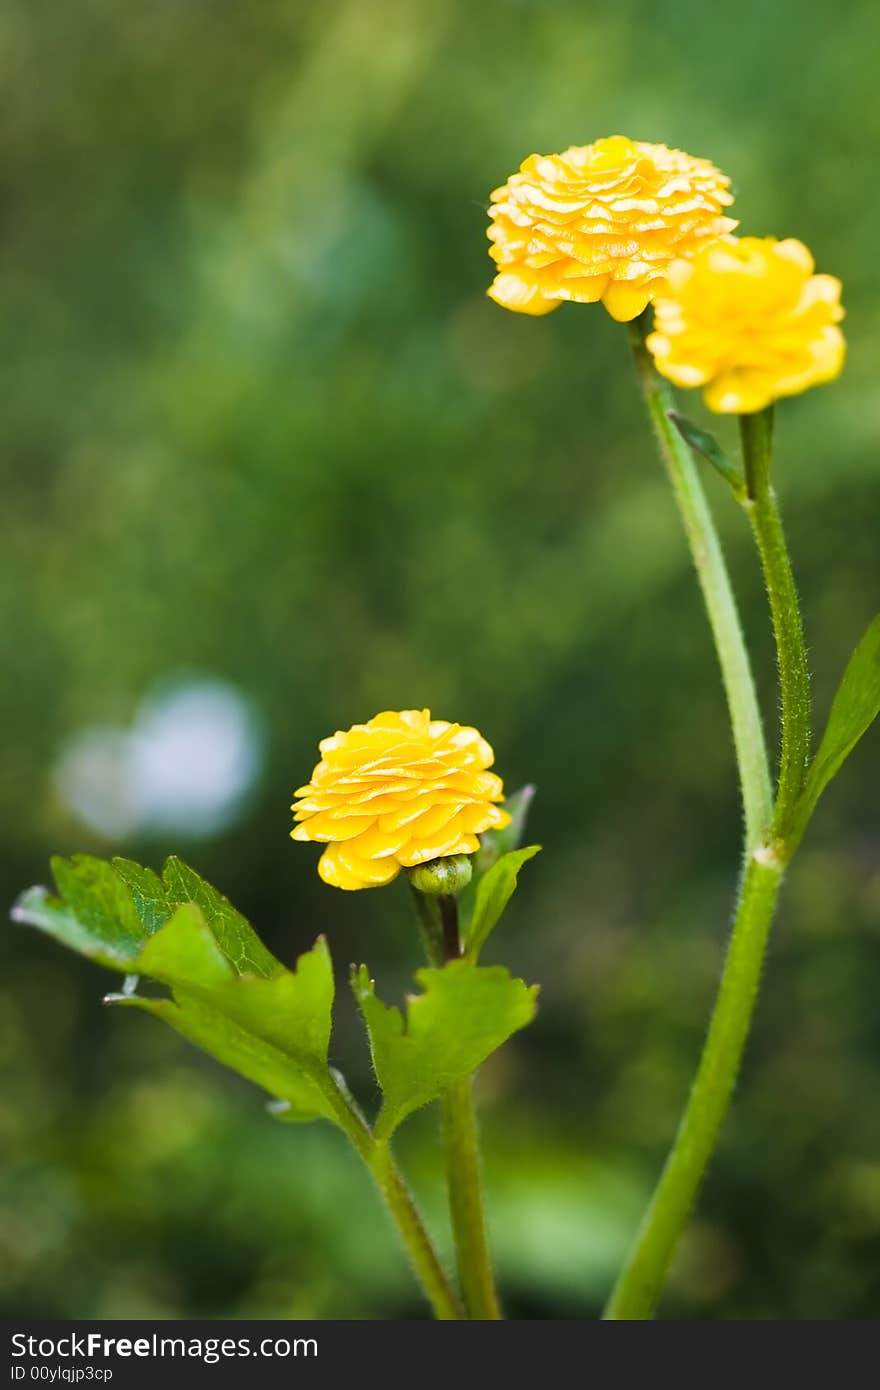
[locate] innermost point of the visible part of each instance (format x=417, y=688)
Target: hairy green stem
x=736, y=673
x=418, y=1244
x=794, y=676
x=644, y=1271
x=465, y=1184
x=641, y=1281
x=438, y=921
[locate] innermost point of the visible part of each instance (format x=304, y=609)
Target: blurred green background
x=272, y=462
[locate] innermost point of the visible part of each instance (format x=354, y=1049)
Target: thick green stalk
x=389, y=1180
x=465, y=1184
x=736, y=674
x=644, y=1272
x=641, y=1281
x=794, y=676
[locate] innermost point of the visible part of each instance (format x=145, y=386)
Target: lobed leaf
x=465, y=1013
x=94, y=913
x=107, y=910
x=102, y=904
x=37, y=907
x=234, y=934
x=275, y=1032
x=228, y=992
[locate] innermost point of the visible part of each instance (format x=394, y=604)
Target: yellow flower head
x=601, y=222
x=749, y=321
x=394, y=792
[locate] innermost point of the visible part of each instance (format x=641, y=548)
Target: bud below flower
x=448, y=875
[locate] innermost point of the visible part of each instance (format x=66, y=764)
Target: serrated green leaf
x=292, y=1011
x=184, y=954
x=103, y=904
x=465, y=1013
x=494, y=891
x=107, y=911
x=853, y=711
x=229, y=994
x=94, y=914
x=233, y=933
x=253, y=1058
x=275, y=1031
x=37, y=907
x=147, y=893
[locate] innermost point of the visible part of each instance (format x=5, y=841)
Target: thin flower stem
x=418, y=1244
x=430, y=925
x=643, y=1275
x=736, y=674
x=794, y=676
x=438, y=919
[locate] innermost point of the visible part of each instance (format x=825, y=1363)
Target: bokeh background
x=272, y=462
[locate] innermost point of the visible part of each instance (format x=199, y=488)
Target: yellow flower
x=748, y=320
x=394, y=792
x=601, y=222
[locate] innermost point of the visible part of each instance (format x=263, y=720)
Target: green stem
x=794, y=676
x=438, y=920
x=742, y=701
x=641, y=1280
x=643, y=1274
x=433, y=1278
x=430, y=926
x=465, y=1184
x=404, y=1212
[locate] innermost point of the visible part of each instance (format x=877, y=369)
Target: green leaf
x=853, y=711
x=184, y=954
x=228, y=993
x=258, y=1061
x=147, y=893
x=292, y=1011
x=707, y=446
x=494, y=844
x=105, y=911
x=38, y=908
x=234, y=934
x=275, y=1032
x=287, y=1112
x=465, y=1013
x=494, y=891
x=94, y=914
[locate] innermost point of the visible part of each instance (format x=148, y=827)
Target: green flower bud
x=447, y=875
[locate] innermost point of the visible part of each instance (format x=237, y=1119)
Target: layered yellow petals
x=748, y=321
x=601, y=222
x=395, y=792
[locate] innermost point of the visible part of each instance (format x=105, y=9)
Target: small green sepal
x=707, y=446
